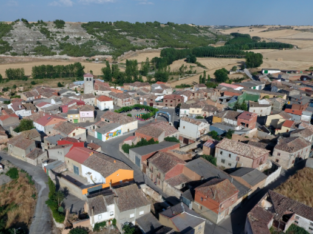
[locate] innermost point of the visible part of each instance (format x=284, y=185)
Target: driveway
x=42, y=221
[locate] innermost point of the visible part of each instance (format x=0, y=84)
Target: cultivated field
x=140, y=56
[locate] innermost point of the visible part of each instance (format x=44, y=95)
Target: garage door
x=99, y=136
x=75, y=120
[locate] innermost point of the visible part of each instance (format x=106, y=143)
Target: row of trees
x=15, y=74
x=59, y=71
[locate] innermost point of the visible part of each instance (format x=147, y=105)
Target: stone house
x=3, y=136
x=137, y=85
x=232, y=154
x=89, y=99
x=182, y=219
x=94, y=147
x=36, y=157
x=150, y=132
x=163, y=166
x=289, y=151
x=274, y=210
x=287, y=126
x=277, y=104
x=19, y=109
x=128, y=123
x=215, y=199
x=51, y=141
x=9, y=120
x=276, y=120
x=260, y=109
x=305, y=133
x=75, y=158
x=209, y=147
x=247, y=120
x=121, y=99
x=228, y=117
x=250, y=177
x=148, y=100
x=58, y=152
x=140, y=155
x=68, y=129
x=172, y=100
x=20, y=146
x=209, y=110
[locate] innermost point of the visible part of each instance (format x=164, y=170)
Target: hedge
x=142, y=142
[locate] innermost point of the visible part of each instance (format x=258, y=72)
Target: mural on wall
x=116, y=133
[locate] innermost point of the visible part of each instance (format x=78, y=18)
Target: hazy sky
x=203, y=12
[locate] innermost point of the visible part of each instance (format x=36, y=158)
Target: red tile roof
x=288, y=123
x=295, y=112
x=116, y=91
x=88, y=75
x=45, y=120
x=79, y=154
x=104, y=98
x=247, y=115
x=4, y=117
x=41, y=104
x=218, y=189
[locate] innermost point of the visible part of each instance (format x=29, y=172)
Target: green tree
x=204, y=77
x=79, y=230
x=229, y=133
x=210, y=158
x=214, y=135
x=60, y=84
x=129, y=229
x=221, y=75
x=171, y=139
x=191, y=58
x=1, y=78
x=244, y=106
x=200, y=79
x=25, y=124
x=234, y=68
x=209, y=78
x=237, y=105
x=107, y=73
x=253, y=60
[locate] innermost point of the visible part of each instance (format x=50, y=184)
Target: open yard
x=299, y=187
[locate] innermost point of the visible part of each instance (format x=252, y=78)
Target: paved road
x=42, y=222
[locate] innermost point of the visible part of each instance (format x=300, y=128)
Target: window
x=132, y=216
x=311, y=224
x=296, y=222
x=201, y=198
x=223, y=160
x=277, y=160
x=141, y=212
x=229, y=164
x=74, y=134
x=297, y=217
x=183, y=127
x=229, y=155
x=237, y=159
x=278, y=154
x=221, y=152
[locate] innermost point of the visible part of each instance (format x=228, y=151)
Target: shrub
x=24, y=125
x=209, y=158
x=171, y=139
x=229, y=134
x=214, y=135
x=294, y=229
x=60, y=85
x=53, y=203
x=129, y=115
x=79, y=230
x=199, y=117
x=98, y=226
x=13, y=173
x=142, y=142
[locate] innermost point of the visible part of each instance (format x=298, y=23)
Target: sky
x=200, y=12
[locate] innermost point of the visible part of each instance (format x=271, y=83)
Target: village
x=153, y=158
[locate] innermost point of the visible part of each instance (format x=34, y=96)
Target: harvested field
x=299, y=187
x=22, y=195
x=140, y=56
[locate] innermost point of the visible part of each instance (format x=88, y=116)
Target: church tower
x=88, y=83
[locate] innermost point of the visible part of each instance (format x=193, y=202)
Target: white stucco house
x=104, y=103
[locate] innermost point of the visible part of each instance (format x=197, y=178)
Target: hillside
x=99, y=38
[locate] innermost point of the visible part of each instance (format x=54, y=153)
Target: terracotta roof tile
x=165, y=161
x=79, y=154
x=218, y=189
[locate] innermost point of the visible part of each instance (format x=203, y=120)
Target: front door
x=75, y=120
x=99, y=136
